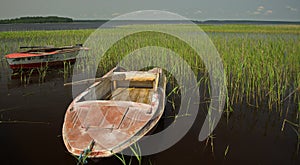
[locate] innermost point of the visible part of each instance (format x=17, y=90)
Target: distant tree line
x=37, y=19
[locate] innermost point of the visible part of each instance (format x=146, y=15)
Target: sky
x=277, y=10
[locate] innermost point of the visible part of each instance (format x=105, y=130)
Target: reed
x=122, y=159
x=22, y=122
x=261, y=62
x=226, y=151
x=136, y=150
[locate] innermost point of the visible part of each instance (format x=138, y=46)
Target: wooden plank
x=134, y=76
x=134, y=84
x=100, y=91
x=140, y=95
x=114, y=85
x=156, y=82
x=134, y=94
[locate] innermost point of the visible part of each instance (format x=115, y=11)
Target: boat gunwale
x=28, y=53
x=21, y=55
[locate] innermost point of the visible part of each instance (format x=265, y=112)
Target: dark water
x=252, y=135
x=50, y=26
x=96, y=24
x=77, y=25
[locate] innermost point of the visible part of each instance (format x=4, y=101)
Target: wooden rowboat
x=38, y=56
x=115, y=112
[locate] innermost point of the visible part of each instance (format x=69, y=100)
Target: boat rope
x=85, y=153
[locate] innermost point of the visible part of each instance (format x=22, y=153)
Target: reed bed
x=260, y=67
x=262, y=63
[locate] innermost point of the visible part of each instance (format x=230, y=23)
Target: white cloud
x=268, y=12
x=260, y=8
x=291, y=8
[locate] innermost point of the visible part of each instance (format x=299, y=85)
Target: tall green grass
x=262, y=63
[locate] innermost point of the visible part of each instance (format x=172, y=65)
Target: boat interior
x=132, y=86
x=38, y=50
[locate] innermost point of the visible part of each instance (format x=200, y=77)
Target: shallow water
x=252, y=135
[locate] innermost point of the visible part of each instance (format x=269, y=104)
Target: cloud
x=268, y=12
x=260, y=8
x=292, y=9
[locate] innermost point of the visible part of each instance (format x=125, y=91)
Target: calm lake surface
x=35, y=112
x=50, y=26
x=76, y=25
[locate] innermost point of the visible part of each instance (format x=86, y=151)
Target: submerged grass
x=22, y=122
x=136, y=151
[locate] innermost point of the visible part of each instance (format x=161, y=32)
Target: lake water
x=50, y=26
x=76, y=25
x=253, y=136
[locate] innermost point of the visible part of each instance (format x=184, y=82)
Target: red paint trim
x=24, y=55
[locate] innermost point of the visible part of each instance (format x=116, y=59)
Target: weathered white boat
x=36, y=57
x=115, y=112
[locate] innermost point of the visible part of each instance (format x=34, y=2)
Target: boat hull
x=41, y=58
x=41, y=64
x=113, y=124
